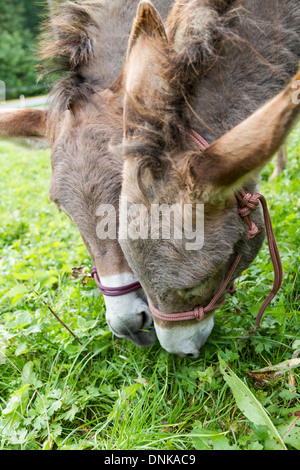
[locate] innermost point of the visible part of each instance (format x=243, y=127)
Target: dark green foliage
x=19, y=26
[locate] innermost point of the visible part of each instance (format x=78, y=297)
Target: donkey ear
x=147, y=23
x=243, y=151
x=23, y=123
x=142, y=73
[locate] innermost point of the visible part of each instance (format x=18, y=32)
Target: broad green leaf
x=125, y=394
x=15, y=400
x=54, y=407
x=21, y=348
x=17, y=290
x=292, y=439
x=222, y=443
x=22, y=319
x=15, y=294
x=48, y=444
x=205, y=439
x=29, y=374
x=16, y=405
x=70, y=415
x=247, y=402
x=291, y=433
x=255, y=446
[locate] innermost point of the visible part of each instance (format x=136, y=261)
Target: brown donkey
x=82, y=124
x=207, y=104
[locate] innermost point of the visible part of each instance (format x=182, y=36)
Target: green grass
x=107, y=393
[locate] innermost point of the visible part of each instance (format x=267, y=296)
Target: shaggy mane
x=84, y=46
x=69, y=49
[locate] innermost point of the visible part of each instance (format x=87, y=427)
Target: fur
x=223, y=61
x=85, y=122
x=84, y=50
x=90, y=46
x=23, y=123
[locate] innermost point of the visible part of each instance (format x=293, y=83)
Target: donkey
x=82, y=124
x=219, y=73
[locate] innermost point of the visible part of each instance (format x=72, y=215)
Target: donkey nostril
x=145, y=321
x=193, y=355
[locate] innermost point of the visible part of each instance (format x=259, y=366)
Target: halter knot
x=199, y=313
x=253, y=230
x=248, y=203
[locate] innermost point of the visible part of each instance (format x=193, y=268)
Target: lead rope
x=199, y=313
x=274, y=254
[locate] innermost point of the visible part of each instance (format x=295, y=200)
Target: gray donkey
x=81, y=124
x=208, y=101
x=215, y=63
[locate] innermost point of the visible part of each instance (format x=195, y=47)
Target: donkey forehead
x=166, y=261
x=77, y=171
x=69, y=186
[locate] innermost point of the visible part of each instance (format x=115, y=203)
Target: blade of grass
x=248, y=403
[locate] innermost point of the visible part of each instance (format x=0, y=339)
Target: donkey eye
x=130, y=131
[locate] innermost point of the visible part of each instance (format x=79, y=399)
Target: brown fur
x=251, y=51
x=197, y=30
x=84, y=125
x=149, y=23
x=23, y=123
x=220, y=62
x=84, y=122
x=231, y=159
x=90, y=46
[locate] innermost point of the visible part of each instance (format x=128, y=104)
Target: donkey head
x=164, y=169
x=83, y=118
x=84, y=123
x=85, y=184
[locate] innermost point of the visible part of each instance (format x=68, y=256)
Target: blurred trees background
x=20, y=22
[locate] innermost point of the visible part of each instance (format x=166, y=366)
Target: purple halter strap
x=114, y=291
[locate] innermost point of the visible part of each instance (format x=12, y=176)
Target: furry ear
x=244, y=150
x=197, y=31
x=142, y=75
x=23, y=123
x=147, y=23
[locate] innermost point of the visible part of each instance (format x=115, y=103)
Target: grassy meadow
x=106, y=393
